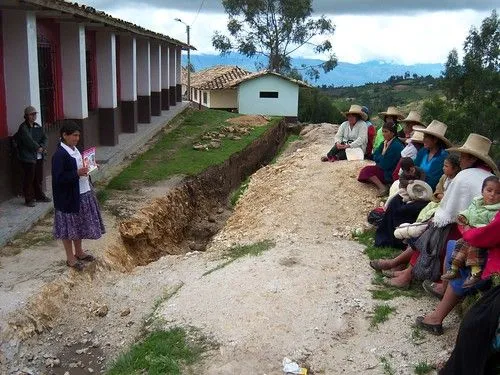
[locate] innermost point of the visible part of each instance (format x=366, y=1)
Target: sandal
x=79, y=266
x=376, y=264
x=87, y=257
x=435, y=329
x=389, y=273
x=324, y=158
x=429, y=288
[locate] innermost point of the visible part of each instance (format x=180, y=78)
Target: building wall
x=286, y=104
x=224, y=99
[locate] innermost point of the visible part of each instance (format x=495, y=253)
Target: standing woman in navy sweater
x=77, y=214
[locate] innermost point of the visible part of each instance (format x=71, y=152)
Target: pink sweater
x=487, y=237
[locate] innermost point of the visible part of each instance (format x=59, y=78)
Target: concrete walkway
x=16, y=218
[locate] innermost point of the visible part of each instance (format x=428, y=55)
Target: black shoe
x=30, y=204
x=44, y=199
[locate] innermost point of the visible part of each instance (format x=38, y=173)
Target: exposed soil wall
x=186, y=212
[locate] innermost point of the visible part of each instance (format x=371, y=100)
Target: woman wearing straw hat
x=391, y=116
x=476, y=165
x=430, y=159
x=351, y=134
x=386, y=156
x=413, y=119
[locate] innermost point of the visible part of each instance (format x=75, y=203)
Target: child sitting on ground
x=481, y=212
x=451, y=168
x=409, y=173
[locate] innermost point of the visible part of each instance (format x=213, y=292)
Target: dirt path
x=308, y=298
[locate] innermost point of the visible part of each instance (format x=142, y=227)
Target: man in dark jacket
x=32, y=148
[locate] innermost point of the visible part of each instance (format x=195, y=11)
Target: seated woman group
x=466, y=209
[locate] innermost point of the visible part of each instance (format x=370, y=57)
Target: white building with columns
x=73, y=62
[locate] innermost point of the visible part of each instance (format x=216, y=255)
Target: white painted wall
x=286, y=104
x=143, y=68
x=106, y=69
x=155, y=67
x=172, y=69
x=128, y=68
x=74, y=70
x=22, y=87
x=165, y=66
x=178, y=66
x=224, y=99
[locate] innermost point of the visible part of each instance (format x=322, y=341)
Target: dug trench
x=61, y=328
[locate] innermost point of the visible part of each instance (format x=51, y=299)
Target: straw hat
x=392, y=111
x=417, y=136
x=419, y=191
x=437, y=129
x=356, y=110
x=478, y=146
x=414, y=117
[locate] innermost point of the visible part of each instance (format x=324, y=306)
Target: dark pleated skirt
x=86, y=224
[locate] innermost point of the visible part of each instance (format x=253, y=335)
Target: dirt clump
x=249, y=120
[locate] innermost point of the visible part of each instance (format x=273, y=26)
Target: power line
x=198, y=12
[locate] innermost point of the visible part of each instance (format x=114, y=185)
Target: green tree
x=471, y=87
x=275, y=29
x=316, y=107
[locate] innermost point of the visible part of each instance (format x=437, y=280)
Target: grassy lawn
x=160, y=353
x=173, y=153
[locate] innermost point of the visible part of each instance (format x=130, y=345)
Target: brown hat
x=414, y=117
x=478, y=146
x=392, y=111
x=437, y=129
x=29, y=110
x=356, y=110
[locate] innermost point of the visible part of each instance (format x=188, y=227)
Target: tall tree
x=471, y=86
x=275, y=29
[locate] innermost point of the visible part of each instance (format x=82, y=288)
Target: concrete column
x=165, y=98
x=20, y=65
x=155, y=79
x=144, y=80
x=109, y=114
x=178, y=74
x=172, y=75
x=128, y=84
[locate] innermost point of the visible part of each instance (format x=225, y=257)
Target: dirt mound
x=249, y=120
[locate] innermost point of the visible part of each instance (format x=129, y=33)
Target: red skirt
x=370, y=171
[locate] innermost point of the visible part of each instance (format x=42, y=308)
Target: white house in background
x=232, y=88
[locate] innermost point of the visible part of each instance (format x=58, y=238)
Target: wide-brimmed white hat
x=417, y=136
x=392, y=111
x=414, y=117
x=419, y=191
x=478, y=146
x=437, y=129
x=356, y=110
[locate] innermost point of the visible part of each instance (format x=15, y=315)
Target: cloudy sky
x=417, y=31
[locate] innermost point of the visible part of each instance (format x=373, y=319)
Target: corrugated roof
x=80, y=11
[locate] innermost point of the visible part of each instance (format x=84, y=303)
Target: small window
x=195, y=94
x=205, y=98
x=268, y=94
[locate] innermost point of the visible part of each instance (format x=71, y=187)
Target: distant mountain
x=345, y=74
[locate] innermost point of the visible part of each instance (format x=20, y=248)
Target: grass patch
x=173, y=153
x=236, y=195
x=385, y=292
x=161, y=352
x=291, y=137
x=240, y=251
x=417, y=336
x=423, y=368
x=381, y=314
x=386, y=365
x=102, y=195
x=167, y=294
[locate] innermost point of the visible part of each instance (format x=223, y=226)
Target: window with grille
x=205, y=98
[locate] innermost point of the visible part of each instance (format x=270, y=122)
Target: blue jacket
x=434, y=168
x=65, y=182
x=391, y=158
